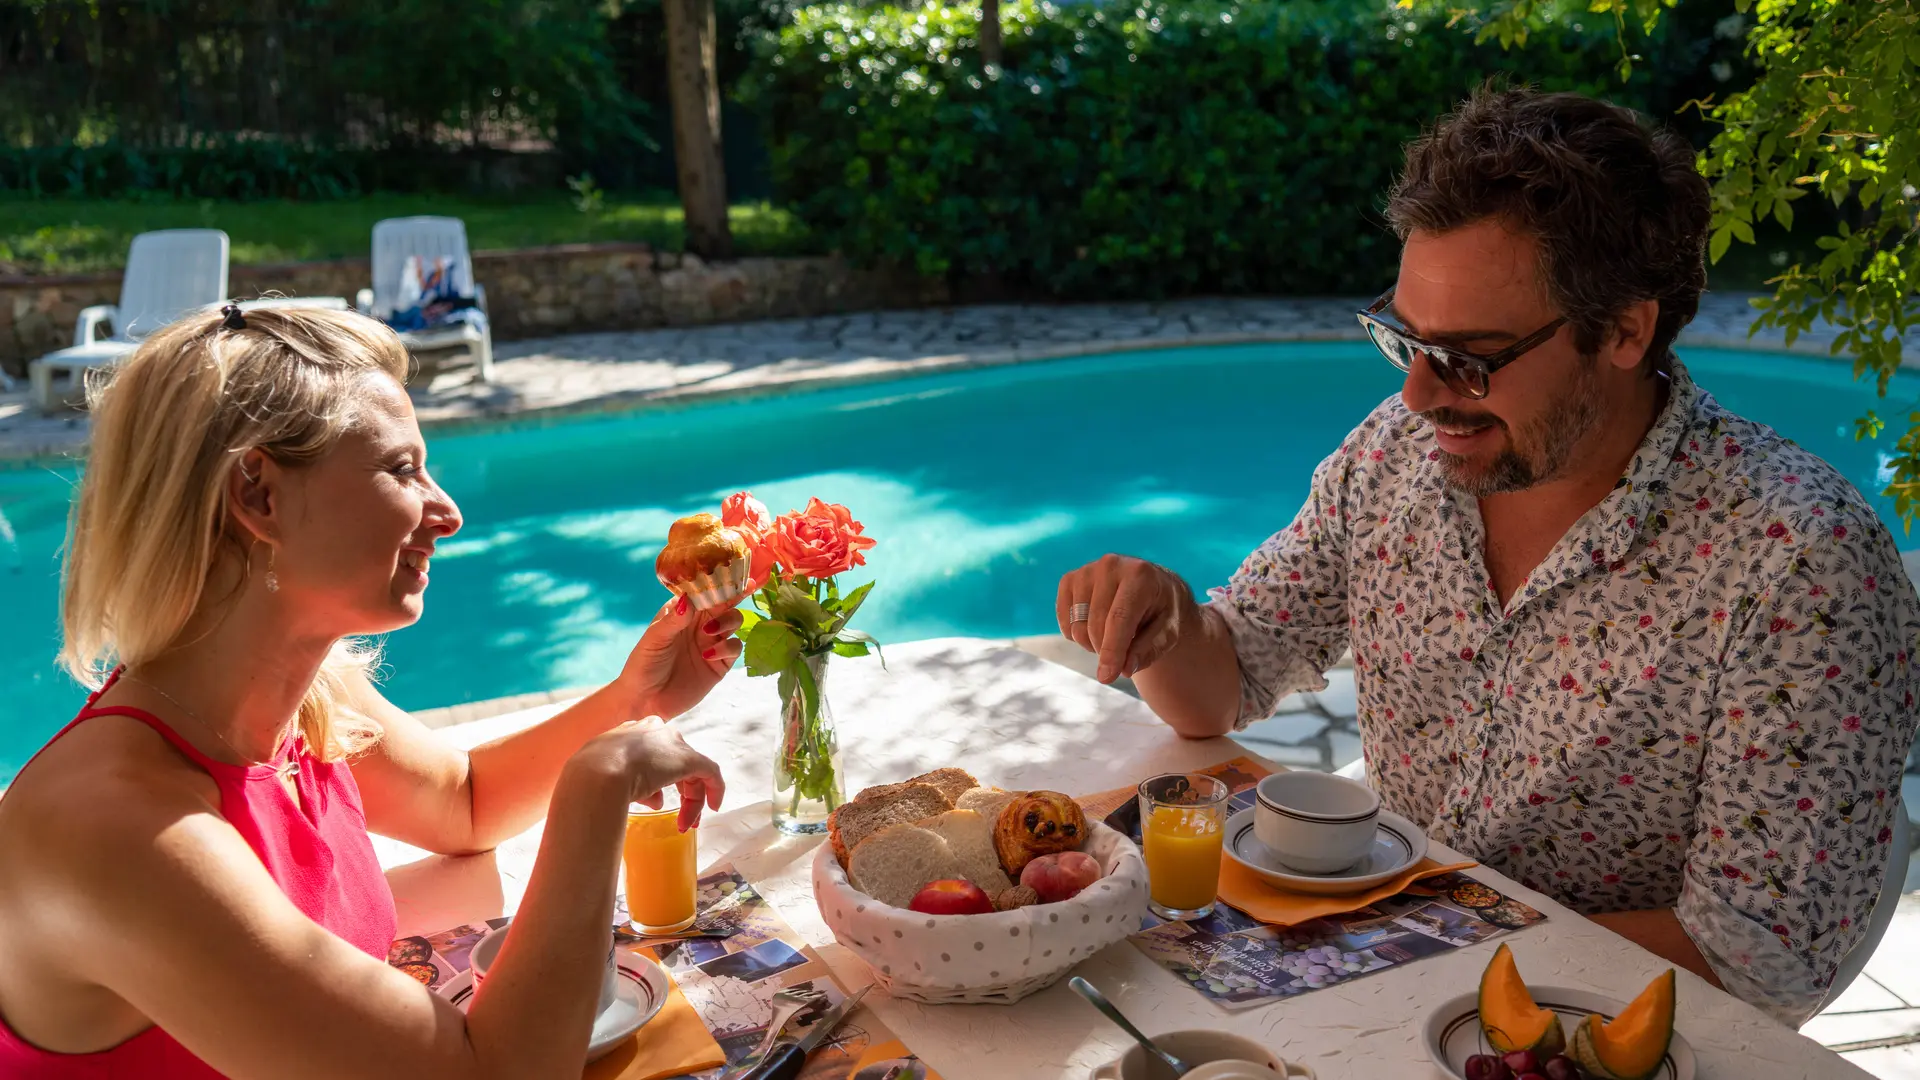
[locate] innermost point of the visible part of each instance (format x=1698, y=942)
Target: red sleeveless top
x=316, y=849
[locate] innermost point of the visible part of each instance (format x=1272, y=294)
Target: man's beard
x=1541, y=451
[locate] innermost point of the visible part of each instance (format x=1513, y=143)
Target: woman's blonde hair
x=152, y=516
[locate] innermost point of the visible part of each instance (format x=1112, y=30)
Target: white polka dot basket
x=993, y=959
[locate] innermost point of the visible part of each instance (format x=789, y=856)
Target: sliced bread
x=895, y=804
x=894, y=863
x=985, y=801
x=952, y=782
x=970, y=837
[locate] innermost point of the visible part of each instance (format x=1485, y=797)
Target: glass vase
x=807, y=783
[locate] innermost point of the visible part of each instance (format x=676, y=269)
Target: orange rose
x=742, y=511
x=818, y=542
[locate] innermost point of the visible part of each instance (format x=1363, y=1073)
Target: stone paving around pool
x=588, y=372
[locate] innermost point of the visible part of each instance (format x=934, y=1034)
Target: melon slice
x=1509, y=1018
x=1633, y=1044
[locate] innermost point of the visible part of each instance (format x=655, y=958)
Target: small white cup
x=1230, y=1057
x=1316, y=823
x=484, y=951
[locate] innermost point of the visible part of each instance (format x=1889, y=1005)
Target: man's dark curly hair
x=1616, y=205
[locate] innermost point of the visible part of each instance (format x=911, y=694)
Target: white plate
x=638, y=996
x=1453, y=1029
x=1397, y=845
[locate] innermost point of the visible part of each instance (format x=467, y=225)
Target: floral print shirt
x=1701, y=699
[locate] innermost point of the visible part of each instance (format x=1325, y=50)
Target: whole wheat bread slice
x=970, y=837
x=952, y=782
x=875, y=809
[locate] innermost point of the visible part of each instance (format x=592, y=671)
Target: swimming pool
x=982, y=487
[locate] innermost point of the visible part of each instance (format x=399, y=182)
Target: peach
x=1062, y=876
x=952, y=896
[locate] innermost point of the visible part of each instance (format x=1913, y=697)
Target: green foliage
x=1833, y=111
x=48, y=235
x=1161, y=149
x=306, y=98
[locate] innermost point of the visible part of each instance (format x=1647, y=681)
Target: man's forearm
x=1659, y=932
x=1195, y=688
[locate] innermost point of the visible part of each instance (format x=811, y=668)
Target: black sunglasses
x=1464, y=373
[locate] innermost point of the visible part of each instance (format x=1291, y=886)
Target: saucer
x=638, y=996
x=1397, y=846
x=1452, y=1033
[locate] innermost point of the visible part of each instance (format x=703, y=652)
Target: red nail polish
x=712, y=627
x=680, y=606
x=711, y=653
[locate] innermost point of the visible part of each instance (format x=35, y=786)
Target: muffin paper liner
x=723, y=587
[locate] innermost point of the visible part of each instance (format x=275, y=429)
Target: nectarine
x=1062, y=876
x=952, y=896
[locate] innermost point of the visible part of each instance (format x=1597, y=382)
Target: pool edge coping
x=876, y=369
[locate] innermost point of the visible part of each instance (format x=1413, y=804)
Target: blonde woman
x=189, y=887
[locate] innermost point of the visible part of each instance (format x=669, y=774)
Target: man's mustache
x=1454, y=418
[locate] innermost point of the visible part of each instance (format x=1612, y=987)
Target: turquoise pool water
x=982, y=488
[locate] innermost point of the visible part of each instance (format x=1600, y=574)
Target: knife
x=786, y=1059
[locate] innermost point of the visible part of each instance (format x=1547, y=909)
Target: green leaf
x=855, y=637
x=1742, y=230
x=1716, y=247
x=853, y=601
x=797, y=607
x=771, y=648
x=850, y=648
x=748, y=620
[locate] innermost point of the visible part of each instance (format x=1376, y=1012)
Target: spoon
x=1085, y=989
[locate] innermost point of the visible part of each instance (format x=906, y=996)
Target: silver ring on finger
x=1078, y=613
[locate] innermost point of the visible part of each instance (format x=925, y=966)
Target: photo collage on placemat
x=730, y=982
x=1240, y=962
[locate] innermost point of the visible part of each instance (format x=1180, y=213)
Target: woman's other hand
x=681, y=656
x=647, y=756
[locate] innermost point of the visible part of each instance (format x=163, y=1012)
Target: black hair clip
x=232, y=318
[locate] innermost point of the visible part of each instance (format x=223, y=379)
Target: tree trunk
x=990, y=32
x=694, y=84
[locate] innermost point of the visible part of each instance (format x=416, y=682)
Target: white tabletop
x=1020, y=722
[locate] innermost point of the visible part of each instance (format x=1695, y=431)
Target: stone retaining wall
x=530, y=292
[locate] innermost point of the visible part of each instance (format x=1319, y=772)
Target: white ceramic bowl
x=1216, y=1053
x=1313, y=822
x=1452, y=1030
x=996, y=958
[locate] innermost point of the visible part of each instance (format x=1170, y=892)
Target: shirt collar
x=1609, y=530
x=1637, y=500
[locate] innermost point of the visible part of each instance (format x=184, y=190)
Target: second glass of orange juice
x=662, y=869
x=1183, y=818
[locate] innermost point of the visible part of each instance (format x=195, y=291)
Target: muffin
x=705, y=561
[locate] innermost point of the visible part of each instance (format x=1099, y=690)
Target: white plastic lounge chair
x=428, y=237
x=1898, y=852
x=169, y=273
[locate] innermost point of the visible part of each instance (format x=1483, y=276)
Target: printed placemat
x=1239, y=962
x=729, y=981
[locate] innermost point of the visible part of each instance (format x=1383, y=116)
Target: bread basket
x=992, y=959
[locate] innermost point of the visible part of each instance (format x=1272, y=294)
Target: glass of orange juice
x=1183, y=818
x=662, y=868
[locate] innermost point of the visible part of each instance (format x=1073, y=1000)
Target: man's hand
x=1135, y=612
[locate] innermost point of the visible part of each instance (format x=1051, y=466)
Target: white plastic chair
x=428, y=237
x=1899, y=851
x=169, y=273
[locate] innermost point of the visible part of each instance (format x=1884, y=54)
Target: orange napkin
x=670, y=1044
x=1239, y=888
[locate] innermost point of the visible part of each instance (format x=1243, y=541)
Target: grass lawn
x=54, y=236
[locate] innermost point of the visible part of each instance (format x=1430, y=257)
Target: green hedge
x=1199, y=148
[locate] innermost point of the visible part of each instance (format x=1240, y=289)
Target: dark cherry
x=1522, y=1061
x=1487, y=1067
x=1562, y=1067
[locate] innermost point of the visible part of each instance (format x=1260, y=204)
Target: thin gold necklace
x=292, y=766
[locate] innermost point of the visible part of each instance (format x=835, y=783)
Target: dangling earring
x=273, y=579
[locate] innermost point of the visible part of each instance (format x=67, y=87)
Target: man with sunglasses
x=1629, y=648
